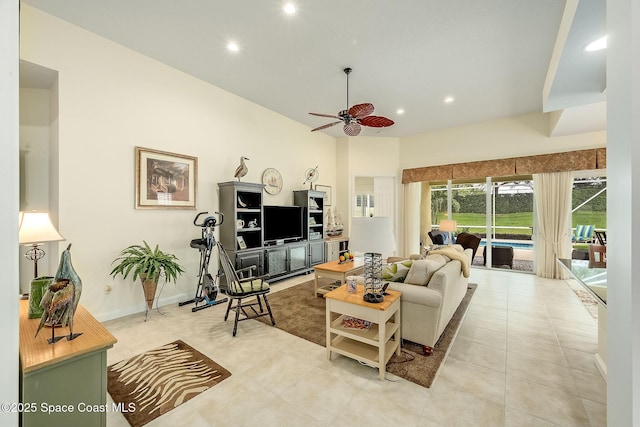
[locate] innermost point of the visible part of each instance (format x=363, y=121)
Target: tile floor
x=523, y=357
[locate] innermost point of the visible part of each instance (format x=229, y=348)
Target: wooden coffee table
x=335, y=270
x=374, y=345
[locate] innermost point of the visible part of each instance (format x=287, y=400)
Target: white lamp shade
x=448, y=225
x=372, y=234
x=36, y=227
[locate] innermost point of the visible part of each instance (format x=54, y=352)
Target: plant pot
x=149, y=286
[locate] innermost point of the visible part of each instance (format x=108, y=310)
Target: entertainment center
x=281, y=241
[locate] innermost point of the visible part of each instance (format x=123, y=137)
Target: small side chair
x=241, y=285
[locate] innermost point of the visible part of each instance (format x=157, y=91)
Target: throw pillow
x=396, y=272
x=421, y=270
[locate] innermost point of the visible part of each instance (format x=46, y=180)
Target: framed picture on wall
x=327, y=193
x=165, y=180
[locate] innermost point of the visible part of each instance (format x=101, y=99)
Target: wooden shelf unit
x=242, y=201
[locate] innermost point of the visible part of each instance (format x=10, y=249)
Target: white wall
x=9, y=176
x=112, y=99
x=516, y=136
x=367, y=156
x=34, y=162
x=623, y=210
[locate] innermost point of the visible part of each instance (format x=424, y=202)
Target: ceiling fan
x=355, y=117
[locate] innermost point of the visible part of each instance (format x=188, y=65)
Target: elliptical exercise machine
x=207, y=289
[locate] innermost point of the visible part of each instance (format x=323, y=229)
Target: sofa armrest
x=449, y=273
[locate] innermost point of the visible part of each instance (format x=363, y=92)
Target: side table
x=374, y=345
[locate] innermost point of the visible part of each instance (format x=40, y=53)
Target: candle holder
x=373, y=277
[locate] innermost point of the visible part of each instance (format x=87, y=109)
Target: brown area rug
x=153, y=383
x=300, y=313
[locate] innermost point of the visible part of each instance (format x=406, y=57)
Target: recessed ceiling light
x=399, y=111
x=289, y=8
x=233, y=47
x=595, y=45
x=449, y=99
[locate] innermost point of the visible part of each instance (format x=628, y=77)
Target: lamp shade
x=36, y=227
x=448, y=225
x=372, y=234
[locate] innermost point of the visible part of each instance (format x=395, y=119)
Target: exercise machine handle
x=210, y=221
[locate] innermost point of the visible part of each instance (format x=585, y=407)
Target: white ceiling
x=491, y=55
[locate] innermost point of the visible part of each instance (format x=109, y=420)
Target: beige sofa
x=431, y=292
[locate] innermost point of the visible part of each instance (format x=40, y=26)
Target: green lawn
x=475, y=223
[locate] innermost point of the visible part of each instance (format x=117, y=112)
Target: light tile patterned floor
x=523, y=357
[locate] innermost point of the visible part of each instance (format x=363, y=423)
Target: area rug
x=153, y=383
x=300, y=313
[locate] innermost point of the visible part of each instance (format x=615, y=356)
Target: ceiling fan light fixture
x=352, y=129
x=356, y=116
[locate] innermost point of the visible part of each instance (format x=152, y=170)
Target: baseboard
x=602, y=367
x=140, y=308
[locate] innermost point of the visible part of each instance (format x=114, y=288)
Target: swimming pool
x=514, y=245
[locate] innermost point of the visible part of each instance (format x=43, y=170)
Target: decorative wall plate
x=272, y=181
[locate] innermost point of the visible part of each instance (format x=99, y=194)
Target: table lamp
x=449, y=226
x=36, y=228
x=373, y=236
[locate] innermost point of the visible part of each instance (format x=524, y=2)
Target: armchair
x=469, y=241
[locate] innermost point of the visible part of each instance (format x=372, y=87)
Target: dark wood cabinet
x=242, y=232
x=287, y=260
x=316, y=253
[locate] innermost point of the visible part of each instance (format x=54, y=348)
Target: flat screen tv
x=282, y=223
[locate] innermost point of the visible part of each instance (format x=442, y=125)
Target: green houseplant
x=148, y=264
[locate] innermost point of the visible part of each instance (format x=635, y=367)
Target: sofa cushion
x=397, y=271
x=422, y=269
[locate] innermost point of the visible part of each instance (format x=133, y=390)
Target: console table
x=594, y=280
x=68, y=378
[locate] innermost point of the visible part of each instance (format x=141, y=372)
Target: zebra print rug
x=153, y=383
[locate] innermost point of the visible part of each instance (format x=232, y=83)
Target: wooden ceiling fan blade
x=325, y=115
x=361, y=110
x=376, y=121
x=352, y=129
x=326, y=126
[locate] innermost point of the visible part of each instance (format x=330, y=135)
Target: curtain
x=552, y=193
x=384, y=196
x=425, y=216
x=412, y=218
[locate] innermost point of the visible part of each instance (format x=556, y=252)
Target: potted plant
x=148, y=264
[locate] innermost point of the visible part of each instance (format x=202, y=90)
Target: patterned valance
x=556, y=162
x=435, y=173
x=475, y=170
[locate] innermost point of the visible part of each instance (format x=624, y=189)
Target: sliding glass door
x=500, y=212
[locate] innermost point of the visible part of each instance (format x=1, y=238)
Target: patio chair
x=468, y=241
x=242, y=285
x=583, y=233
x=438, y=237
x=500, y=256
